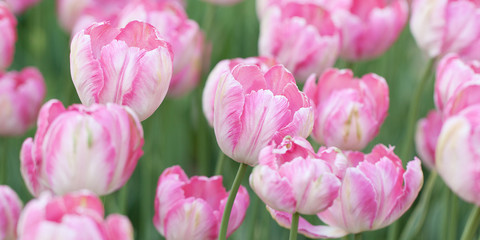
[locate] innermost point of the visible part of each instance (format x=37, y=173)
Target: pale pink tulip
x=447, y=26
x=193, y=208
x=375, y=192
x=300, y=36
x=253, y=108
x=21, y=95
x=457, y=84
x=291, y=178
x=94, y=148
x=370, y=27
x=131, y=66
x=8, y=28
x=458, y=155
x=264, y=5
x=10, y=207
x=426, y=137
x=349, y=111
x=183, y=34
x=74, y=216
x=208, y=98
x=18, y=6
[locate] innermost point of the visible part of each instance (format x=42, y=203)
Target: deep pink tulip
x=300, y=36
x=183, y=34
x=291, y=178
x=457, y=85
x=94, y=148
x=131, y=66
x=21, y=95
x=208, y=98
x=369, y=27
x=253, y=108
x=349, y=111
x=458, y=155
x=426, y=137
x=193, y=208
x=375, y=192
x=18, y=6
x=73, y=216
x=8, y=28
x=10, y=207
x=447, y=26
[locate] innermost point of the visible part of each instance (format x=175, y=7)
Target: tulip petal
x=304, y=227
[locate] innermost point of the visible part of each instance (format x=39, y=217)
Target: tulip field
x=239, y=119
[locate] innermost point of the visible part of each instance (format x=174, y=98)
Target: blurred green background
x=178, y=133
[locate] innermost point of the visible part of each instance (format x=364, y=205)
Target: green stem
x=294, y=226
x=417, y=218
x=219, y=165
x=123, y=199
x=453, y=206
x=357, y=236
x=472, y=224
x=350, y=65
x=231, y=198
x=413, y=112
x=208, y=19
x=4, y=161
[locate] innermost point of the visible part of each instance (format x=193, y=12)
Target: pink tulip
x=447, y=26
x=458, y=155
x=8, y=28
x=221, y=68
x=426, y=137
x=131, y=66
x=21, y=95
x=18, y=6
x=370, y=27
x=10, y=207
x=94, y=148
x=193, y=208
x=349, y=111
x=264, y=5
x=253, y=108
x=290, y=177
x=300, y=36
x=375, y=192
x=73, y=216
x=183, y=34
x=457, y=84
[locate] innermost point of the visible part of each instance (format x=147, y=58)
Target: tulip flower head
x=301, y=36
x=426, y=137
x=208, y=98
x=18, y=6
x=21, y=96
x=10, y=208
x=457, y=85
x=458, y=154
x=94, y=148
x=183, y=34
x=447, y=26
x=8, y=28
x=291, y=178
x=348, y=111
x=369, y=27
x=76, y=215
x=193, y=208
x=375, y=192
x=253, y=108
x=131, y=66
